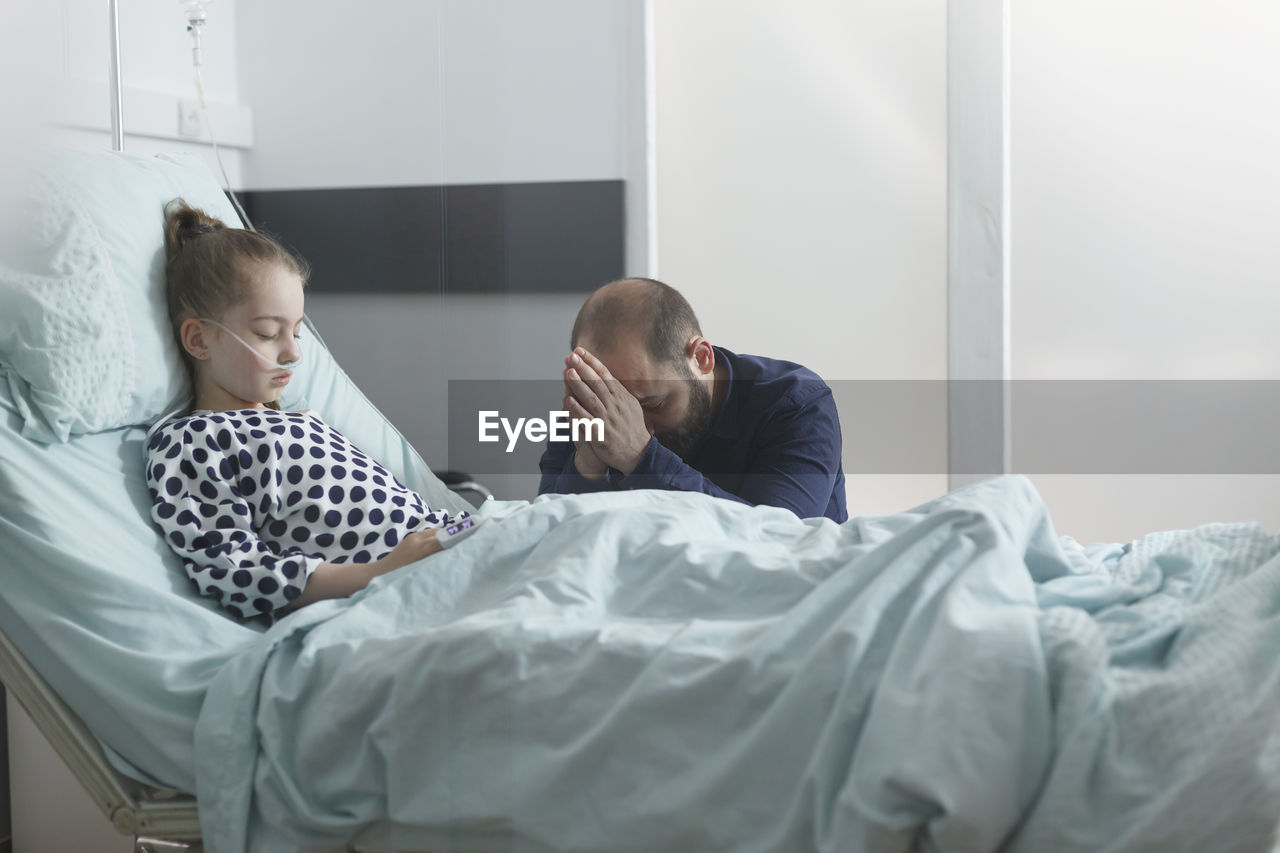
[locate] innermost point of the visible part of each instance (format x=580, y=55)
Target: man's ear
x=702, y=355
x=191, y=333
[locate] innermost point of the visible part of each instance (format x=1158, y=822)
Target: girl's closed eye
x=297, y=336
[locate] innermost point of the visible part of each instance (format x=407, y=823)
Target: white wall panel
x=801, y=189
x=1146, y=191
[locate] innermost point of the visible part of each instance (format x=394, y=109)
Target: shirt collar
x=727, y=420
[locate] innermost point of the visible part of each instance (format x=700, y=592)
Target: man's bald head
x=654, y=312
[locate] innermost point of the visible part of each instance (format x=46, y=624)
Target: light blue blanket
x=655, y=671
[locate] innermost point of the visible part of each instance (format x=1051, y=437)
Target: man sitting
x=682, y=414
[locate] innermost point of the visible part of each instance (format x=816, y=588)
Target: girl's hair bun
x=184, y=223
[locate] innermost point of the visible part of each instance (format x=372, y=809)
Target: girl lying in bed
x=270, y=510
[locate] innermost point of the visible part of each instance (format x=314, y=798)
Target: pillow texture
x=85, y=343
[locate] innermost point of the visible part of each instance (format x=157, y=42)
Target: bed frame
x=159, y=819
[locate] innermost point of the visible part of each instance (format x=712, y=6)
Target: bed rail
x=159, y=817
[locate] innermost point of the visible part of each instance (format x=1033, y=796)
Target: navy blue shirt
x=775, y=441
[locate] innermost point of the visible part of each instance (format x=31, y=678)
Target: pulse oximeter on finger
x=454, y=533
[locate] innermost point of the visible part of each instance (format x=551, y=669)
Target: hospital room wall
x=447, y=93
x=420, y=93
x=801, y=191
x=1144, y=195
x=771, y=182
x=837, y=203
x=801, y=186
x=1141, y=167
x=156, y=75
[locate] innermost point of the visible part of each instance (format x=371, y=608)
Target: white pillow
x=85, y=341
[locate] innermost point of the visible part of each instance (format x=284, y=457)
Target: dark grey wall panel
x=384, y=239
x=561, y=237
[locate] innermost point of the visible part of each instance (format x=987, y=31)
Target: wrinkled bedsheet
x=656, y=671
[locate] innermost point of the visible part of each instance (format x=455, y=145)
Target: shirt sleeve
x=440, y=517
x=560, y=477
x=208, y=522
x=795, y=465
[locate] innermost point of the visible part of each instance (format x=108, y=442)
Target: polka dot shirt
x=254, y=500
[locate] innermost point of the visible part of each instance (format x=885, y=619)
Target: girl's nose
x=292, y=352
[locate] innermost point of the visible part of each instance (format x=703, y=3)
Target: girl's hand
x=413, y=547
x=338, y=580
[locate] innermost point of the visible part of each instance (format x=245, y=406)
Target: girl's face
x=269, y=319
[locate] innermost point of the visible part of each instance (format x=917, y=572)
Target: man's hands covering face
x=592, y=392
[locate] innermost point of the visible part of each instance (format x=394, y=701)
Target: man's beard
x=684, y=439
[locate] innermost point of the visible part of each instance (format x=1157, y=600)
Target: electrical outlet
x=190, y=119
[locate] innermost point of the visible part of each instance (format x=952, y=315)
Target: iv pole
x=113, y=77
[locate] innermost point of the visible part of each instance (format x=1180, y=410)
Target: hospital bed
x=629, y=671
